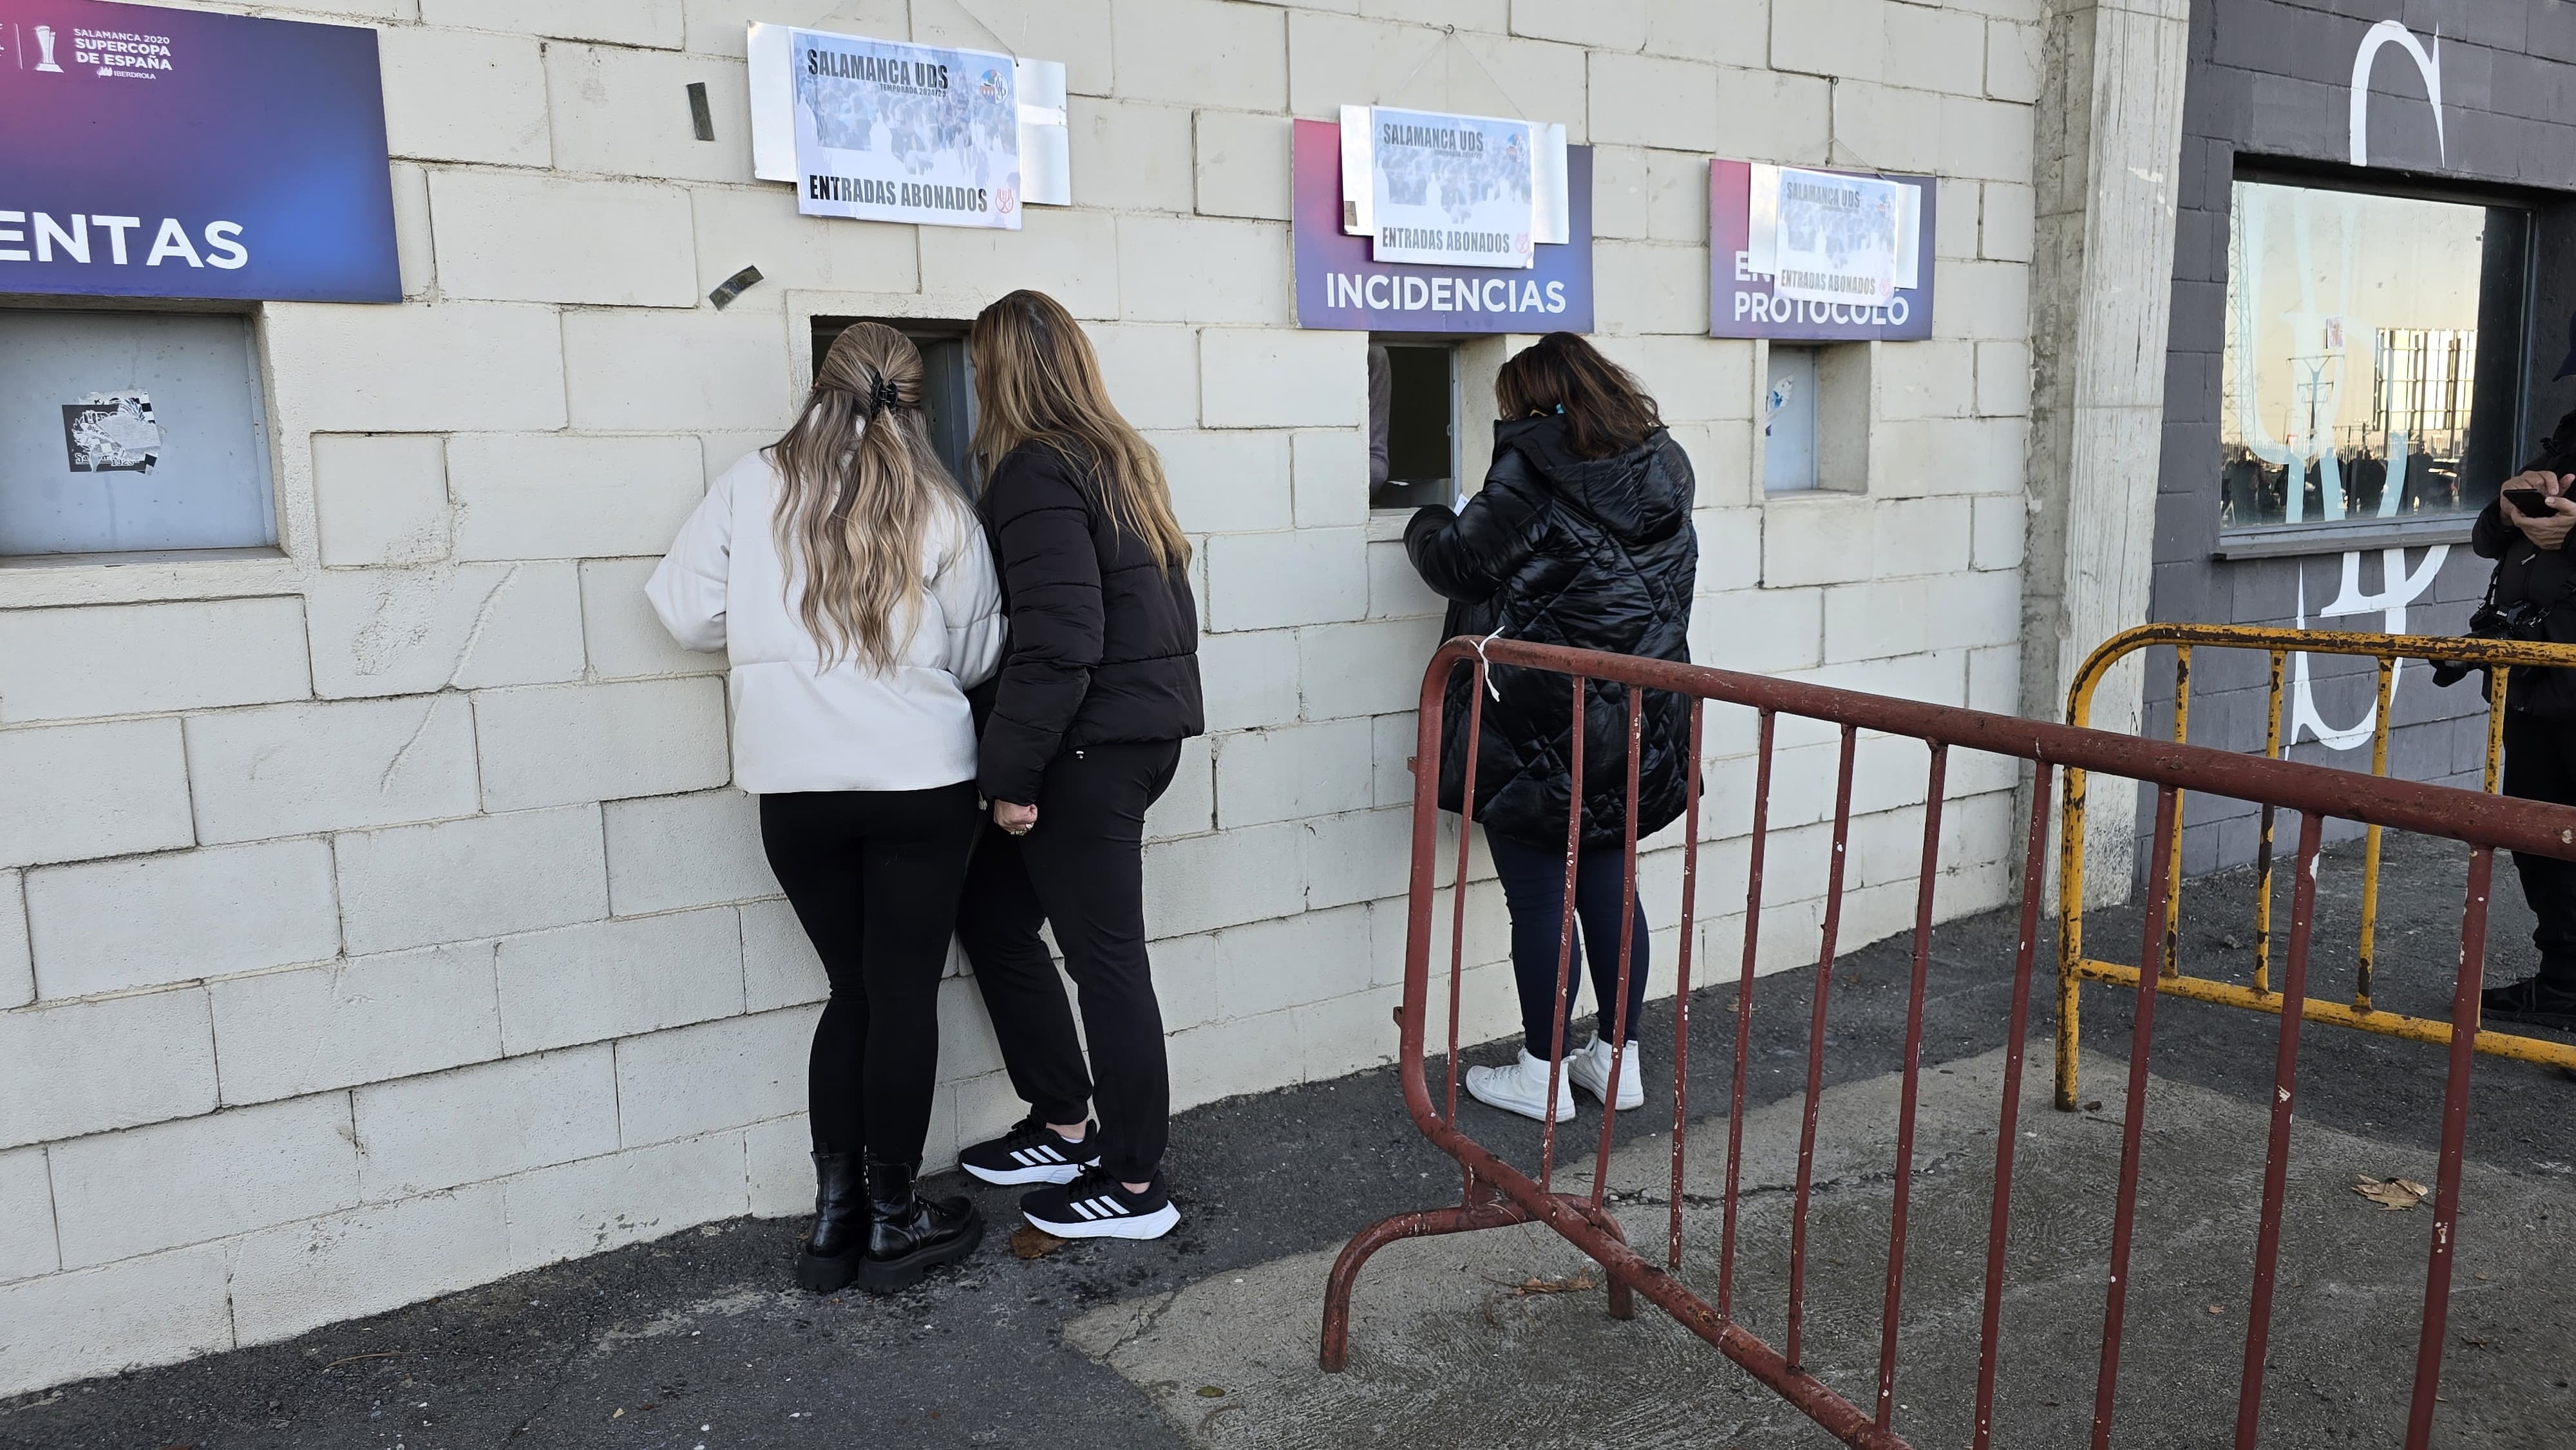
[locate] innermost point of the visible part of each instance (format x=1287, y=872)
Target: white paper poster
x=1458, y=191
x=905, y=133
x=1836, y=237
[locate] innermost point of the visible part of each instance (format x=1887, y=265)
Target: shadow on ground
x=698, y=1340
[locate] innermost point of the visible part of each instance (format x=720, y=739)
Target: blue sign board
x=147, y=152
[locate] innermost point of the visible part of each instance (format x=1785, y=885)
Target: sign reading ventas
x=905, y=133
x=180, y=153
x=1344, y=281
x=1803, y=254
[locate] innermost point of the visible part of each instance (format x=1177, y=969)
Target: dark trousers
x=1533, y=880
x=2540, y=765
x=1081, y=870
x=874, y=877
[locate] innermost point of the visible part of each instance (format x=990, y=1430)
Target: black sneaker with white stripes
x=1032, y=1153
x=1097, y=1206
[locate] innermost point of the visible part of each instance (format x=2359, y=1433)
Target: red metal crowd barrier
x=1497, y=1194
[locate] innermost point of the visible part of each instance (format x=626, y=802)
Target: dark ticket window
x=947, y=384
x=1413, y=416
x=2372, y=358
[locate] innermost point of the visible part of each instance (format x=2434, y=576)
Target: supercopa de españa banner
x=905, y=133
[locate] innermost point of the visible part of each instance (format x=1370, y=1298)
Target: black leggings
x=874, y=877
x=2540, y=765
x=1533, y=880
x=1081, y=871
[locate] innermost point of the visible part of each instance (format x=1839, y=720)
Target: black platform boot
x=909, y=1235
x=829, y=1257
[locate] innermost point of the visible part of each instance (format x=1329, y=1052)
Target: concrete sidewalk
x=644, y=1346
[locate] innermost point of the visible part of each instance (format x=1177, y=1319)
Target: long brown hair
x=1037, y=381
x=862, y=487
x=1607, y=412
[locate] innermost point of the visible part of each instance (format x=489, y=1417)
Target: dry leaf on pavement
x=1031, y=1242
x=2396, y=1193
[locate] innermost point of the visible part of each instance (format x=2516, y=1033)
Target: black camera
x=2520, y=619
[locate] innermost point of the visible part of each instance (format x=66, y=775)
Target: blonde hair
x=1037, y=381
x=862, y=488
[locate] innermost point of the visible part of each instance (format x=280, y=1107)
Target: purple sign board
x=1744, y=303
x=147, y=152
x=1340, y=286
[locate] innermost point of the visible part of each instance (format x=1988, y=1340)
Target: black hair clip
x=883, y=395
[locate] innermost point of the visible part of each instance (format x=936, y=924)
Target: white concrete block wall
x=380, y=918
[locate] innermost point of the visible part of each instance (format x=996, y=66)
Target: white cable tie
x=1490, y=687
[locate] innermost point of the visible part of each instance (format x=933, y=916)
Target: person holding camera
x=2533, y=597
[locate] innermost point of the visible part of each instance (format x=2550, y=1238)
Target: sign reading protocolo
x=1803, y=254
x=147, y=152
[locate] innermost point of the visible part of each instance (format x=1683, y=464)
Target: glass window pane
x=2371, y=356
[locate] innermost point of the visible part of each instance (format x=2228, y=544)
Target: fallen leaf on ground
x=1211, y=1392
x=1571, y=1284
x=1030, y=1242
x=2396, y=1193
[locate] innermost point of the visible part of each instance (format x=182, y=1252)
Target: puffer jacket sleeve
x=688, y=589
x=1042, y=530
x=969, y=595
x=2491, y=535
x=1467, y=555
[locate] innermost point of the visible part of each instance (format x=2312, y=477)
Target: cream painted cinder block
x=1972, y=610
x=1733, y=32
x=407, y=631
x=1603, y=24
x=1618, y=191
x=640, y=371
x=1936, y=49
x=491, y=365
x=1070, y=255
x=63, y=664
x=1227, y=482
x=1272, y=378
x=779, y=967
x=1395, y=587
x=1649, y=100
x=372, y=1019
x=485, y=876
x=1331, y=469
x=1290, y=577
x=17, y=968
x=715, y=27
x=1200, y=883
x=122, y=1316
x=464, y=95
x=1877, y=620
x=423, y=1134
x=2006, y=229
x=1242, y=164
x=1293, y=771
x=290, y=769
x=1759, y=630
x=2002, y=524
x=2003, y=379
x=1773, y=116
x=548, y=745
x=2012, y=60
x=1367, y=668
x=1929, y=379
x=1337, y=60
x=1200, y=53
x=110, y=926
x=380, y=498
x=1986, y=139
x=1921, y=535
x=777, y=1163
x=414, y=254
x=620, y=632
x=1842, y=38
x=597, y=1204
x=1896, y=127
x=712, y=1076
x=1650, y=287
x=1129, y=156
x=609, y=979
x=1677, y=194
x=1819, y=540
x=561, y=495
x=758, y=226
x=1693, y=379
x=87, y=1067
x=625, y=112
x=27, y=1244
x=1269, y=965
x=1189, y=806
x=670, y=852
x=1152, y=372
x=117, y=1195
x=80, y=791
x=1249, y=680
x=1204, y=269
x=291, y=1278
x=1361, y=856
x=1241, y=1055
x=622, y=22
x=510, y=236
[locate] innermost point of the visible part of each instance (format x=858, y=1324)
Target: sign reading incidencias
x=887, y=131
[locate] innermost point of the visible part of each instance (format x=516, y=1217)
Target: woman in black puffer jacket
x=1581, y=537
x=1083, y=732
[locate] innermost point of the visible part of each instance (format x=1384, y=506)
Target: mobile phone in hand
x=2530, y=501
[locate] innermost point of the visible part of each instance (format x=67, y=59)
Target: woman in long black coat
x=1582, y=537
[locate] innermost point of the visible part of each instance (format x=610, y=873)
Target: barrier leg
x=1421, y=1223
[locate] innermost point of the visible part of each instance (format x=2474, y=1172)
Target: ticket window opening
x=1413, y=420
x=947, y=384
x=132, y=433
x=1815, y=418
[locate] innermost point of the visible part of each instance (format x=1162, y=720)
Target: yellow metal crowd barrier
x=2075, y=968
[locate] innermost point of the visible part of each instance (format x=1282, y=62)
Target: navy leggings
x=1533, y=880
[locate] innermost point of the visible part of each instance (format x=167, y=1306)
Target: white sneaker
x=1522, y=1088
x=1590, y=1070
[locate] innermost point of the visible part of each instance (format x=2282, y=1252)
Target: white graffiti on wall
x=2399, y=586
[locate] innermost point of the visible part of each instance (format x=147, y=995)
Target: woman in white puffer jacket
x=847, y=579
